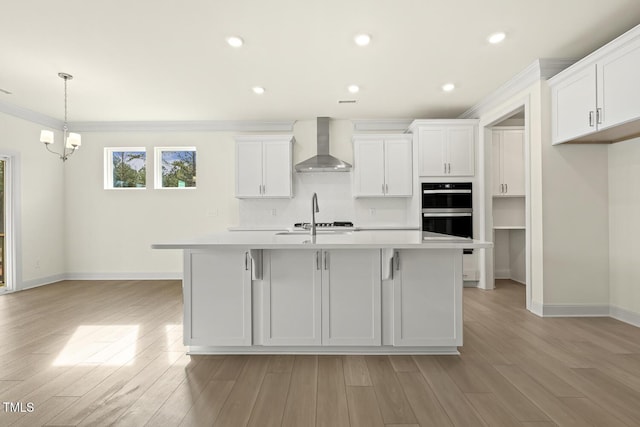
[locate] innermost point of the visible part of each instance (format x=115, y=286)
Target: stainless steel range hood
x=323, y=161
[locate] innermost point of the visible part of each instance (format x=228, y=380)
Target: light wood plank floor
x=110, y=353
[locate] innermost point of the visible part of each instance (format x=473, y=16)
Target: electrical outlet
x=37, y=264
x=274, y=212
x=212, y=213
x=372, y=211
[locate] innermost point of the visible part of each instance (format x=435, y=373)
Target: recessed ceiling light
x=258, y=90
x=353, y=88
x=496, y=38
x=448, y=87
x=362, y=39
x=235, y=41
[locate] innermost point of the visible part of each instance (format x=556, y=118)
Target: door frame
x=486, y=219
x=11, y=257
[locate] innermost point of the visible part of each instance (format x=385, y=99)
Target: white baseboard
x=41, y=281
x=537, y=308
x=575, y=310
x=123, y=276
x=502, y=274
x=624, y=315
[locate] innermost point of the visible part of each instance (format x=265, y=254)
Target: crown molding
x=385, y=125
x=186, y=126
x=30, y=116
x=151, y=126
x=540, y=69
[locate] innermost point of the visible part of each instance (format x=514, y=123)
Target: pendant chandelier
x=70, y=141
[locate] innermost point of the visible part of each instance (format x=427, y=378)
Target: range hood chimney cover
x=323, y=161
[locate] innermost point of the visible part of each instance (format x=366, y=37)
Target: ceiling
x=168, y=60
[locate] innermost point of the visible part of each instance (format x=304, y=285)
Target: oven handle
x=446, y=191
x=444, y=214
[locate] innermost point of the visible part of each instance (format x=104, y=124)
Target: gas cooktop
x=335, y=225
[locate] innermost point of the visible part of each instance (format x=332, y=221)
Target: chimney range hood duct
x=323, y=161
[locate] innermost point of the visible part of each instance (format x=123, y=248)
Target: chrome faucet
x=314, y=209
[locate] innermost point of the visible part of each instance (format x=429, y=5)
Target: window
x=125, y=167
x=175, y=167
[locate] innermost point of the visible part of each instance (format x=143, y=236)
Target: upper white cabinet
x=263, y=166
x=508, y=161
x=382, y=166
x=445, y=147
x=596, y=99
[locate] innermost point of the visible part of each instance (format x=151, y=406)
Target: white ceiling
x=168, y=60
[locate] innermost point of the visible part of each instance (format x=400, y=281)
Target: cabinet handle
x=599, y=116
x=445, y=167
x=326, y=260
x=317, y=260
x=506, y=188
x=590, y=118
x=396, y=258
x=449, y=169
x=246, y=261
x=382, y=188
x=386, y=188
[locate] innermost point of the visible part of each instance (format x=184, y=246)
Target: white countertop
x=395, y=239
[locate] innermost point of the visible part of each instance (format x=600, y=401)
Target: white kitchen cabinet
x=596, y=99
x=292, y=297
x=382, y=166
x=445, y=147
x=427, y=300
x=263, y=166
x=329, y=297
x=217, y=297
x=508, y=161
x=351, y=292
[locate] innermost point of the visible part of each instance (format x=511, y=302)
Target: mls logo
x=18, y=407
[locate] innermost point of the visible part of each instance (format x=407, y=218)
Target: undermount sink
x=308, y=233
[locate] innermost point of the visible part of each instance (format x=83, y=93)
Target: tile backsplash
x=334, y=199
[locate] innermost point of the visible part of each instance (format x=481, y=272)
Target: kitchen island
x=382, y=291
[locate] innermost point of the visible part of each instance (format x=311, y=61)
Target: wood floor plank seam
x=515, y=368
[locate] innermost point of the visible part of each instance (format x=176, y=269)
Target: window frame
x=157, y=167
x=108, y=167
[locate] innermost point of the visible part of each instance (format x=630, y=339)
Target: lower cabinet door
x=351, y=310
x=291, y=297
x=427, y=299
x=217, y=298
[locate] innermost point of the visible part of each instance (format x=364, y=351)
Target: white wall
x=517, y=260
x=509, y=255
x=110, y=231
x=624, y=227
x=575, y=218
x=501, y=262
x=569, y=210
x=41, y=230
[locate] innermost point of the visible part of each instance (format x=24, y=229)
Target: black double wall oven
x=447, y=208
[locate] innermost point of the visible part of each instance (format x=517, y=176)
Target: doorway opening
x=7, y=238
x=3, y=204
x=507, y=200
